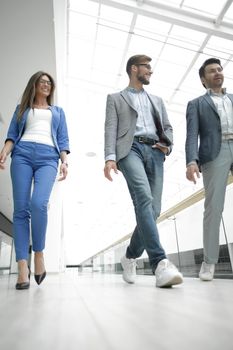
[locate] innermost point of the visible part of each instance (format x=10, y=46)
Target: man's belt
x=146, y=140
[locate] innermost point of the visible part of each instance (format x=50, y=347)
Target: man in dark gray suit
x=209, y=148
x=138, y=136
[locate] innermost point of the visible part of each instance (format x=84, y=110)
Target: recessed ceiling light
x=91, y=154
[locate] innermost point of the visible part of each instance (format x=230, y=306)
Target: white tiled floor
x=73, y=311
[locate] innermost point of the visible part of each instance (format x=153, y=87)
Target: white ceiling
x=101, y=35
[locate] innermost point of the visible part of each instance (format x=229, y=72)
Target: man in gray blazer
x=138, y=136
x=209, y=149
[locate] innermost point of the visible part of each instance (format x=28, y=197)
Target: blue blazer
x=204, y=132
x=59, y=128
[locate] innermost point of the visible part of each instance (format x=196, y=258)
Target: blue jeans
x=143, y=172
x=33, y=172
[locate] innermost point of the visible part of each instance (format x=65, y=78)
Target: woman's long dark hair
x=29, y=93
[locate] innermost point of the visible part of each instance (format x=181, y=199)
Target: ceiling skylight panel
x=107, y=59
x=155, y=37
x=115, y=15
x=169, y=74
x=84, y=6
x=173, y=53
x=175, y=3
x=162, y=89
x=111, y=37
x=186, y=36
x=122, y=81
x=222, y=47
x=87, y=51
x=183, y=96
x=228, y=71
x=140, y=44
x=195, y=87
x=152, y=25
x=228, y=82
x=118, y=27
x=106, y=79
x=215, y=52
x=82, y=25
x=206, y=7
x=76, y=59
x=229, y=15
x=181, y=47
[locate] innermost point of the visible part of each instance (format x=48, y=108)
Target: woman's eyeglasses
x=45, y=82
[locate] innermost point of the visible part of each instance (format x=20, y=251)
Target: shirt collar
x=133, y=90
x=210, y=92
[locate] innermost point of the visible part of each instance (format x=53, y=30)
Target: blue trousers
x=33, y=173
x=143, y=171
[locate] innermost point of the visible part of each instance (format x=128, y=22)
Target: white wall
x=26, y=45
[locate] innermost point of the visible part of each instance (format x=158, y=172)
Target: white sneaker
x=129, y=269
x=206, y=272
x=167, y=274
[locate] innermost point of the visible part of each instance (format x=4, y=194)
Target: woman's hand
x=5, y=152
x=63, y=171
x=3, y=157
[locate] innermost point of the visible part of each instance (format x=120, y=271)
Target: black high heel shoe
x=24, y=285
x=39, y=278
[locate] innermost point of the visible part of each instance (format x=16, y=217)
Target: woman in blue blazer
x=37, y=138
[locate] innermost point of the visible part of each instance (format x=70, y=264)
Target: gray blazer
x=121, y=119
x=204, y=133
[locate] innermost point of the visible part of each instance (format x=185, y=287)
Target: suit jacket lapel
x=230, y=97
x=210, y=102
x=155, y=108
x=127, y=99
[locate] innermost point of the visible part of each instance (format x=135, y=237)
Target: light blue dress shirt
x=225, y=110
x=145, y=122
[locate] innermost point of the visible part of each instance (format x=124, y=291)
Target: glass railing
x=181, y=234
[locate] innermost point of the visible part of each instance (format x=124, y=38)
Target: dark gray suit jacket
x=204, y=133
x=121, y=119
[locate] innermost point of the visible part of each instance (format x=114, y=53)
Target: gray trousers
x=215, y=176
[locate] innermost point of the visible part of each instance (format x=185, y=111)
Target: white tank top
x=38, y=127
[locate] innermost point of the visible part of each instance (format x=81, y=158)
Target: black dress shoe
x=39, y=278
